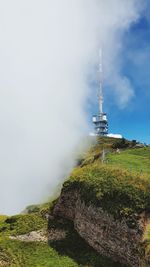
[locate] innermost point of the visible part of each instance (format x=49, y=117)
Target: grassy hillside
x=121, y=184
x=17, y=253
x=129, y=157
x=70, y=252
x=135, y=159
x=116, y=190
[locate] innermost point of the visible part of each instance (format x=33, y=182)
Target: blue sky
x=133, y=122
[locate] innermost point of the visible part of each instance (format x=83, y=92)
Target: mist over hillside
x=48, y=51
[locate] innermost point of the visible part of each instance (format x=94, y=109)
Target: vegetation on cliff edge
x=111, y=183
x=72, y=251
x=120, y=184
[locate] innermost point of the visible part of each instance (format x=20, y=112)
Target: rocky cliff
x=109, y=204
x=101, y=219
x=110, y=237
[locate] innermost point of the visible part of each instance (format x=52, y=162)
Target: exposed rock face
x=111, y=238
x=55, y=235
x=34, y=236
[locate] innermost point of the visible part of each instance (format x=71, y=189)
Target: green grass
x=17, y=253
x=58, y=254
x=132, y=159
x=22, y=224
x=34, y=254
x=95, y=150
x=118, y=191
x=39, y=208
x=144, y=152
x=117, y=187
x=121, y=185
x=73, y=251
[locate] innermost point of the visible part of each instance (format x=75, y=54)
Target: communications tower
x=100, y=120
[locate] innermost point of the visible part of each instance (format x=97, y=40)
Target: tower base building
x=100, y=124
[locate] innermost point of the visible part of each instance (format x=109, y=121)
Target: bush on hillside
x=117, y=191
x=121, y=143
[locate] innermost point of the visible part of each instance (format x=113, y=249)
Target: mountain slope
x=108, y=203
x=103, y=209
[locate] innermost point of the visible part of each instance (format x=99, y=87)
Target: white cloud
x=47, y=48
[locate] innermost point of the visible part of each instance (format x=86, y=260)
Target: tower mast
x=100, y=120
x=100, y=93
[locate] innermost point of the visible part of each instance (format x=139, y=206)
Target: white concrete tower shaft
x=100, y=93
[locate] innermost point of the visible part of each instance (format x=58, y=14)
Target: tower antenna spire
x=100, y=120
x=100, y=93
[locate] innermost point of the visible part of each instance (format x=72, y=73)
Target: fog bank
x=48, y=50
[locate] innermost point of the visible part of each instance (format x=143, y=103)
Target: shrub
x=121, y=143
